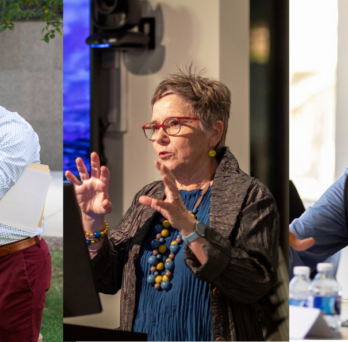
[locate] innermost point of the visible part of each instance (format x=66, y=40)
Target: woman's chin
x=168, y=163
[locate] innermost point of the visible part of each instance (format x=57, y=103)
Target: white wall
x=342, y=121
x=234, y=72
x=214, y=35
x=342, y=88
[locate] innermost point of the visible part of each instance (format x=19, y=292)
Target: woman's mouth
x=164, y=154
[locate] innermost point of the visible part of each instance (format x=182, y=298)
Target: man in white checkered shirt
x=25, y=260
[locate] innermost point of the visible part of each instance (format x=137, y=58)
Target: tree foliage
x=50, y=11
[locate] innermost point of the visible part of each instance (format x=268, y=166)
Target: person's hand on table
x=300, y=245
x=92, y=193
x=172, y=208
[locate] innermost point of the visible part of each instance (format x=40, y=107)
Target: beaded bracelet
x=97, y=236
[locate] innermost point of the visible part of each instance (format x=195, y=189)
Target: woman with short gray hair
x=195, y=251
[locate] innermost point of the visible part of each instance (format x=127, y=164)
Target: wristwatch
x=200, y=230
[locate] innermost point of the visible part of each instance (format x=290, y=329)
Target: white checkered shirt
x=19, y=146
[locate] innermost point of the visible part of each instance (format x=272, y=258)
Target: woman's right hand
x=92, y=192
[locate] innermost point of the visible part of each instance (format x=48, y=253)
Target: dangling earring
x=212, y=153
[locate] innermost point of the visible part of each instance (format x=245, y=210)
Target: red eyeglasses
x=171, y=126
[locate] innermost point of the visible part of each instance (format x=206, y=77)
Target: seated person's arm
x=18, y=147
x=325, y=222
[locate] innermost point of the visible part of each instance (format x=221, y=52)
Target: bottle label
x=297, y=302
x=328, y=305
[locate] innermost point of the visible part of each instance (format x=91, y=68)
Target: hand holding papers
x=22, y=207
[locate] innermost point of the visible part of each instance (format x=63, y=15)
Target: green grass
x=52, y=320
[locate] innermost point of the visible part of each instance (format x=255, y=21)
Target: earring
x=212, y=153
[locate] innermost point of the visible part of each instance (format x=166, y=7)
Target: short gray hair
x=208, y=99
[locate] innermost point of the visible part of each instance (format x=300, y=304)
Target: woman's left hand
x=172, y=208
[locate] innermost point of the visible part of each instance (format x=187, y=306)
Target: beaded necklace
x=162, y=282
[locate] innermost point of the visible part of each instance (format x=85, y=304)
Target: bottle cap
x=324, y=267
x=301, y=270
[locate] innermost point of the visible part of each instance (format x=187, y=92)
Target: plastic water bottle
x=299, y=286
x=326, y=294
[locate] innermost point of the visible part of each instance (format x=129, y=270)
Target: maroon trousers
x=24, y=279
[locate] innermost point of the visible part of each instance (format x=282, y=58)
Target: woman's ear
x=217, y=132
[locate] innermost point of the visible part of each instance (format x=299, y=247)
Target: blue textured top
x=181, y=313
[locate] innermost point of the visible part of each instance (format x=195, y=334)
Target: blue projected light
x=76, y=84
x=99, y=46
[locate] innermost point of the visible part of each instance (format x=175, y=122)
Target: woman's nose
x=161, y=136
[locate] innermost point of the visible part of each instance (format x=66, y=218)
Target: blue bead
x=155, y=244
x=174, y=248
x=156, y=274
x=158, y=228
x=88, y=242
x=97, y=235
x=169, y=265
x=159, y=256
x=166, y=285
x=151, y=279
x=161, y=240
x=195, y=211
x=152, y=260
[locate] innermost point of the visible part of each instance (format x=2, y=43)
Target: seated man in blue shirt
x=325, y=221
x=25, y=261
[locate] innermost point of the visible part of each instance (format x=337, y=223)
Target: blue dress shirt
x=19, y=146
x=325, y=221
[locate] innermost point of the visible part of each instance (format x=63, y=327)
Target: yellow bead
x=165, y=232
x=166, y=224
x=162, y=248
x=212, y=153
x=92, y=241
x=160, y=266
x=166, y=278
x=168, y=259
x=102, y=233
x=173, y=242
x=158, y=279
x=193, y=215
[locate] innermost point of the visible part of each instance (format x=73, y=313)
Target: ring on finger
x=174, y=198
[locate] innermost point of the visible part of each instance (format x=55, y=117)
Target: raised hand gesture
x=172, y=208
x=92, y=192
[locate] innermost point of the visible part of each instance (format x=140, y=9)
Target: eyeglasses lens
x=171, y=126
x=150, y=131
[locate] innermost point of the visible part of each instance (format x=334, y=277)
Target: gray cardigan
x=241, y=245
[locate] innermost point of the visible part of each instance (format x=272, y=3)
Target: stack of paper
x=307, y=322
x=22, y=207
